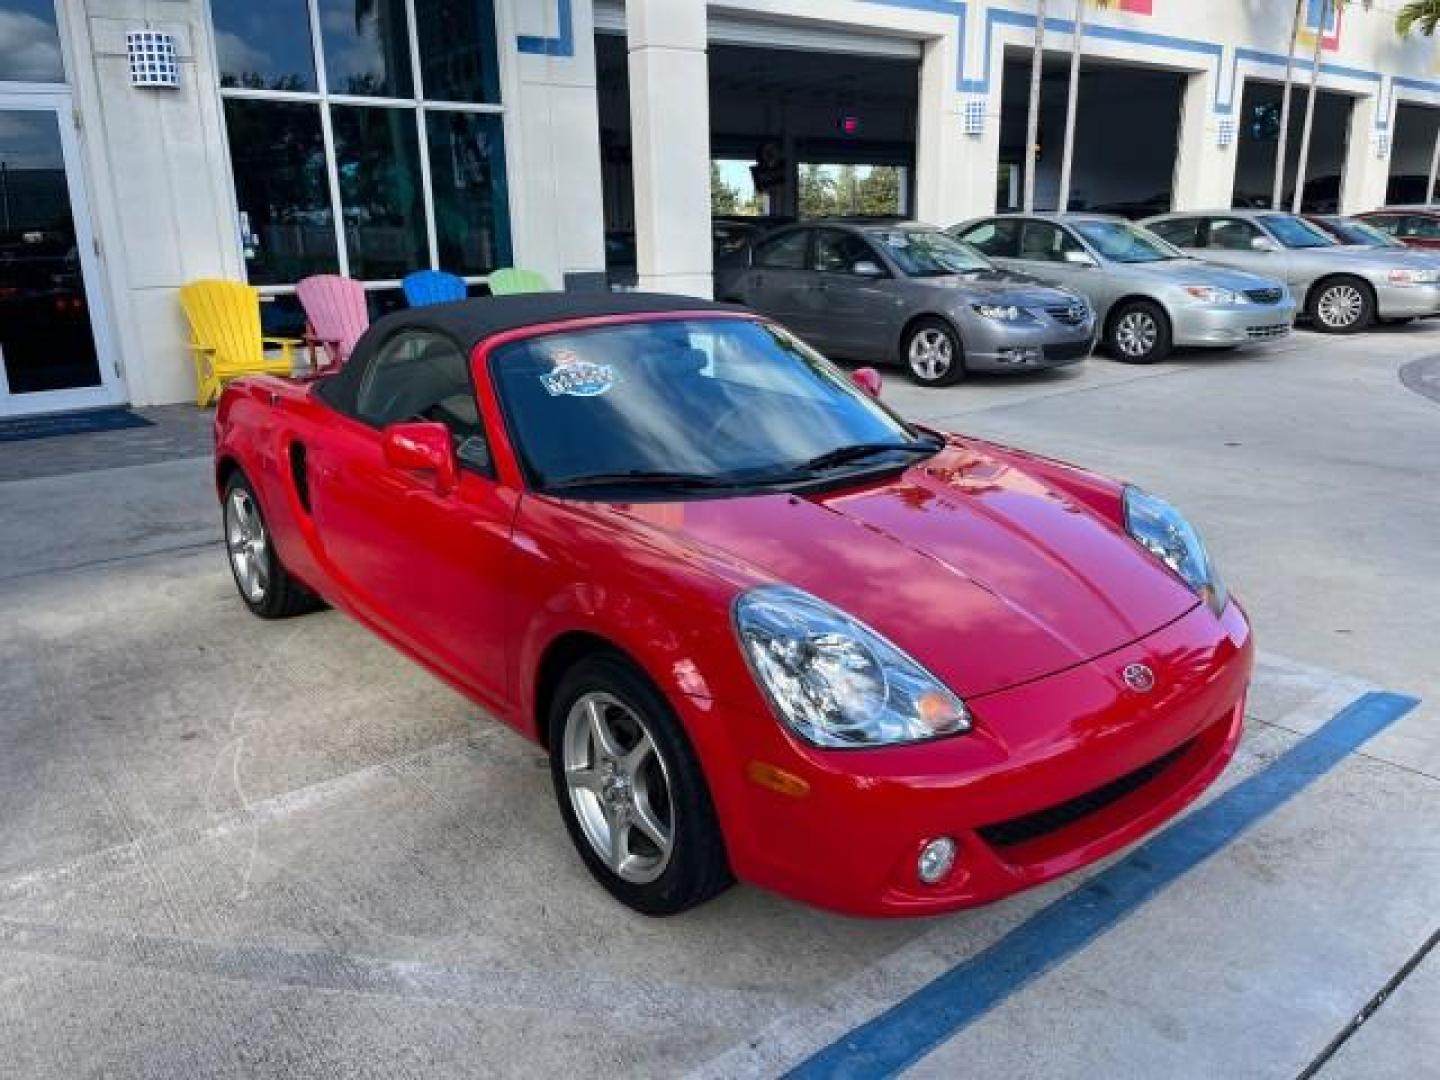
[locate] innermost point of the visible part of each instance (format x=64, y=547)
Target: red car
x=1413, y=226
x=763, y=627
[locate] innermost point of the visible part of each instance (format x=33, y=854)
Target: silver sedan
x=1147, y=295
x=1341, y=289
x=869, y=290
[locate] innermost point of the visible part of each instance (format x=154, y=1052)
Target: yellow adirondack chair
x=224, y=319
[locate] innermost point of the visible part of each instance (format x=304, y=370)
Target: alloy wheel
x=618, y=787
x=245, y=539
x=931, y=354
x=1340, y=306
x=1136, y=334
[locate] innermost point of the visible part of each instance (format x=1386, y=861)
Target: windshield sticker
x=573, y=377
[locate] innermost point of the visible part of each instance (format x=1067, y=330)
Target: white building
x=374, y=137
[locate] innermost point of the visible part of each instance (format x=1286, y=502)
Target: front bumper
x=994, y=346
x=1227, y=326
x=1055, y=774
x=1407, y=301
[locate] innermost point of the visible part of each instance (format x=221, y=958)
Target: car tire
x=619, y=759
x=933, y=353
x=1340, y=305
x=1138, y=333
x=264, y=584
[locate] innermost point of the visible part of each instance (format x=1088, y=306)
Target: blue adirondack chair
x=432, y=287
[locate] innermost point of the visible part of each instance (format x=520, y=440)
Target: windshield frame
x=527, y=478
x=875, y=233
x=1171, y=252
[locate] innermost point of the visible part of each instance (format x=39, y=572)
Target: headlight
x=1403, y=276
x=1210, y=294
x=835, y=681
x=1001, y=312
x=1163, y=531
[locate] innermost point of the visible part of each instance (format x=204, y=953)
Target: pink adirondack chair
x=335, y=315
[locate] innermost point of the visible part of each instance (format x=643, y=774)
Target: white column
x=955, y=172
x=1367, y=174
x=1204, y=170
x=670, y=141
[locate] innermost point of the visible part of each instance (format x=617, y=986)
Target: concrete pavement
x=232, y=848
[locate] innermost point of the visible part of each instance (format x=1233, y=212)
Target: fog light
x=1020, y=354
x=936, y=859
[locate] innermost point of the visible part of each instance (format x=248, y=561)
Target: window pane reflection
x=377, y=157
x=367, y=47
x=457, y=50
x=467, y=178
x=286, y=224
x=29, y=43
x=264, y=44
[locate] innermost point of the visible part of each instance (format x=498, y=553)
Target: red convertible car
x=763, y=627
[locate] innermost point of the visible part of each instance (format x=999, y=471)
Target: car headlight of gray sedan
x=1163, y=531
x=1214, y=295
x=1405, y=275
x=1007, y=313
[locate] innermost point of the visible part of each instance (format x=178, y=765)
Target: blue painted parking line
x=906, y=1032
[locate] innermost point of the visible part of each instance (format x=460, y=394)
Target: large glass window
x=29, y=42
x=370, y=164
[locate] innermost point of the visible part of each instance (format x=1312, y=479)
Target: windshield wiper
x=843, y=455
x=644, y=478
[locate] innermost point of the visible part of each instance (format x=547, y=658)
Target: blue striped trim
x=561, y=45
x=908, y=1031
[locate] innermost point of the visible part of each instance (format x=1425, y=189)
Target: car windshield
x=928, y=252
x=1122, y=242
x=1295, y=232
x=1359, y=232
x=716, y=405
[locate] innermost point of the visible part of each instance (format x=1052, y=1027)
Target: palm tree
x=1032, y=123
x=1423, y=15
x=1281, y=147
x=1326, y=7
x=1072, y=102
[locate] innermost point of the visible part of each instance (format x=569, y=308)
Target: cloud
x=29, y=49
x=237, y=55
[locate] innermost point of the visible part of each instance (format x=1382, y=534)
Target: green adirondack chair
x=509, y=280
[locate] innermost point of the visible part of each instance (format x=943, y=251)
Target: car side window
x=1182, y=232
x=784, y=252
x=1386, y=223
x=1043, y=242
x=1420, y=227
x=837, y=252
x=998, y=237
x=1232, y=234
x=420, y=375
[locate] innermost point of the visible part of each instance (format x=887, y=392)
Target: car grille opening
x=1264, y=296
x=1069, y=314
x=1067, y=352
x=1020, y=830
x=1265, y=333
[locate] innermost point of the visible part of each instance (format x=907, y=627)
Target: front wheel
x=1139, y=333
x=265, y=585
x=631, y=792
x=1342, y=305
x=933, y=354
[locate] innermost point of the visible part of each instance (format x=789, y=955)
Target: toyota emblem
x=1139, y=678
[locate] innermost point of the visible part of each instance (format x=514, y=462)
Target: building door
x=54, y=347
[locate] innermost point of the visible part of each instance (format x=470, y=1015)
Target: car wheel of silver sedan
x=265, y=585
x=1341, y=306
x=630, y=790
x=1139, y=333
x=933, y=353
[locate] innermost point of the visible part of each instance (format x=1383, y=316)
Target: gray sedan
x=1148, y=296
x=1342, y=289
x=872, y=291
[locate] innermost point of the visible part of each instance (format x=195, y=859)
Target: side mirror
x=1263, y=243
x=1078, y=258
x=866, y=268
x=867, y=379
x=422, y=447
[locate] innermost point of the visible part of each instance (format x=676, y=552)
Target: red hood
x=981, y=572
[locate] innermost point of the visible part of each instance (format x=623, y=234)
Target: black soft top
x=469, y=322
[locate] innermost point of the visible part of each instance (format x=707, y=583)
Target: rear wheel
x=933, y=354
x=1341, y=305
x=264, y=584
x=1139, y=333
x=631, y=791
